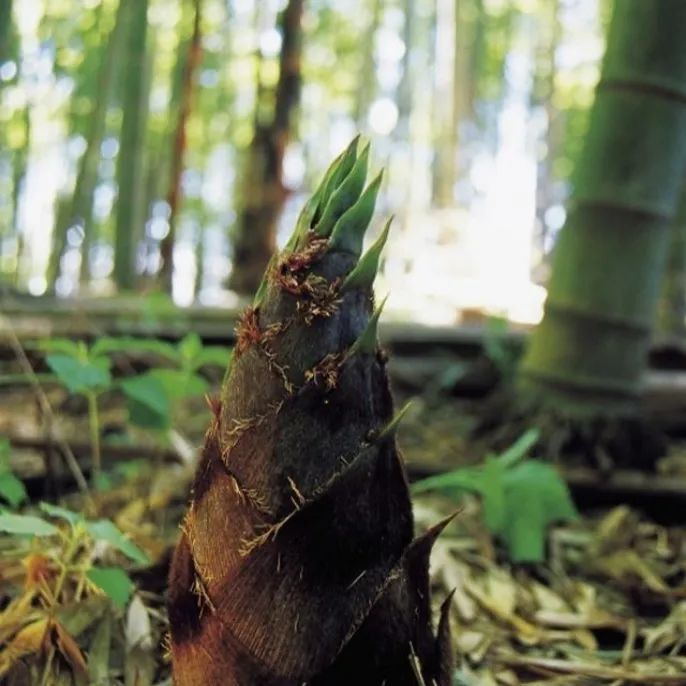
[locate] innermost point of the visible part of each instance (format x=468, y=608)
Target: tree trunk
x=263, y=191
x=6, y=28
x=296, y=562
x=19, y=169
x=130, y=211
x=672, y=309
x=80, y=208
x=457, y=35
x=87, y=180
x=192, y=62
x=367, y=85
x=548, y=31
x=587, y=355
x=445, y=123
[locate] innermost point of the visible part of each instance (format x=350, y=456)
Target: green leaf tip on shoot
x=314, y=206
x=348, y=233
x=337, y=172
x=392, y=426
x=363, y=274
x=345, y=196
x=367, y=341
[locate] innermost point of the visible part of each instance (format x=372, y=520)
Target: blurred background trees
x=165, y=142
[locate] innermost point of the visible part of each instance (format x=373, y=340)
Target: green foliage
x=11, y=488
x=150, y=395
x=99, y=530
x=114, y=582
x=147, y=400
x=78, y=375
x=105, y=530
x=26, y=525
x=520, y=498
x=80, y=540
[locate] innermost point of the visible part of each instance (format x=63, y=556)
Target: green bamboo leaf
x=105, y=530
x=535, y=497
x=80, y=375
x=148, y=402
x=12, y=489
x=26, y=525
x=61, y=345
x=468, y=479
x=114, y=582
x=520, y=448
x=178, y=383
x=190, y=347
x=61, y=513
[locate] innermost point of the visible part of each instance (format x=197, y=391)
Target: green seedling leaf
x=12, y=489
x=26, y=525
x=177, y=384
x=78, y=375
x=62, y=345
x=451, y=375
x=114, y=582
x=520, y=499
x=212, y=356
x=492, y=490
x=465, y=479
x=520, y=448
x=190, y=347
x=62, y=513
x=148, y=402
x=105, y=530
x=535, y=497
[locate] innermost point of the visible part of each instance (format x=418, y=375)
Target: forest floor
x=608, y=605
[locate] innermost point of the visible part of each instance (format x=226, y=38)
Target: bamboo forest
x=342, y=342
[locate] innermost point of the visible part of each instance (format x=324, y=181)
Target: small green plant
x=520, y=497
x=12, y=489
x=152, y=395
x=86, y=370
x=82, y=371
x=70, y=552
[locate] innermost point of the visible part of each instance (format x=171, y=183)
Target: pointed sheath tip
x=345, y=192
x=363, y=274
x=391, y=428
x=347, y=234
x=367, y=340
